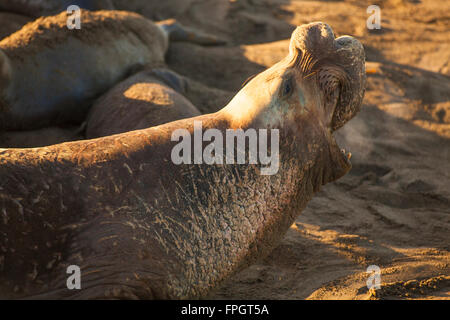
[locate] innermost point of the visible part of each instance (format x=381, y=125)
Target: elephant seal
x=138, y=225
x=147, y=99
x=50, y=75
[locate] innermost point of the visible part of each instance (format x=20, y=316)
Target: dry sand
x=393, y=209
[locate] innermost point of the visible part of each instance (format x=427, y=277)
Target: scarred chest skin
x=101, y=211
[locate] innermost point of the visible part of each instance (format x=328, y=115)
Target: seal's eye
x=287, y=88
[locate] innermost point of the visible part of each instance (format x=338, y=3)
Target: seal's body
x=147, y=99
x=50, y=75
x=140, y=226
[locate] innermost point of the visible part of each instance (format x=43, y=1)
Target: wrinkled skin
x=191, y=11
x=39, y=138
x=140, y=226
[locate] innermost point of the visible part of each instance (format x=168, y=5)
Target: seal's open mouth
x=339, y=66
x=349, y=78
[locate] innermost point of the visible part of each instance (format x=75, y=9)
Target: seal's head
x=314, y=91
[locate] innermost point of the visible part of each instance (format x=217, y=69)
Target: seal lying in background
x=147, y=99
x=10, y=23
x=140, y=226
x=50, y=75
x=152, y=9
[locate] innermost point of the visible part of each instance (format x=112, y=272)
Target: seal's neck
x=237, y=215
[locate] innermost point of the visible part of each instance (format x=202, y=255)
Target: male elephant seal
x=147, y=99
x=140, y=226
x=50, y=75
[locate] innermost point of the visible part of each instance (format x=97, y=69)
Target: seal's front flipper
x=178, y=32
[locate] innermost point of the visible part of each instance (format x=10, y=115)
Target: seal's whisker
x=307, y=62
x=309, y=75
